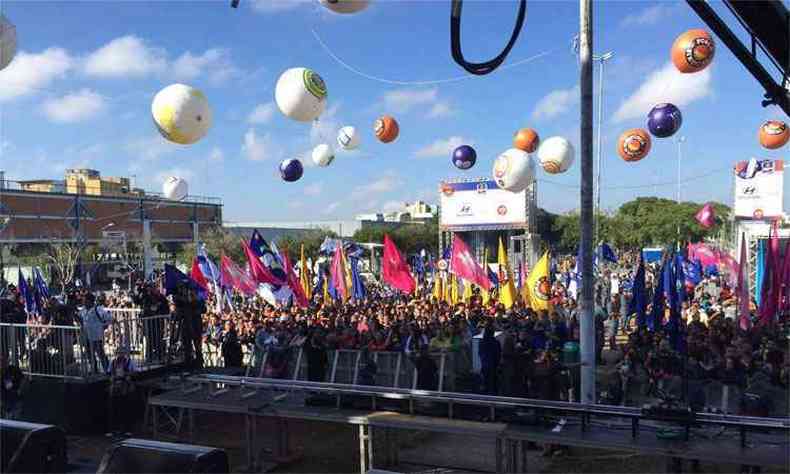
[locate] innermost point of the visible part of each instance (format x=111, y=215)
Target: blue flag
x=657, y=314
x=174, y=277
x=638, y=303
x=693, y=271
x=680, y=281
x=358, y=285
x=607, y=254
x=26, y=294
x=670, y=283
x=264, y=252
x=41, y=286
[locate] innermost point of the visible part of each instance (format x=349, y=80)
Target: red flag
x=197, y=275
x=232, y=276
x=293, y=282
x=338, y=272
x=706, y=216
x=394, y=270
x=464, y=264
x=743, y=288
x=259, y=272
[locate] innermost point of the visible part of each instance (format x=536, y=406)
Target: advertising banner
x=479, y=205
x=759, y=188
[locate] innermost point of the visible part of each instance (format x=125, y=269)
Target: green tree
x=218, y=242
x=311, y=239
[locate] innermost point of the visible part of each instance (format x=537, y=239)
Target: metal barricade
x=345, y=366
x=48, y=351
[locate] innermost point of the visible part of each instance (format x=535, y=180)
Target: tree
x=311, y=239
x=64, y=257
x=218, y=242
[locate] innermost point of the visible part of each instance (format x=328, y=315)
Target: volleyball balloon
x=693, y=51
x=323, y=155
x=514, y=170
x=175, y=188
x=345, y=6
x=634, y=144
x=291, y=170
x=348, y=138
x=526, y=139
x=386, y=129
x=7, y=42
x=181, y=114
x=464, y=157
x=300, y=94
x=664, y=120
x=556, y=155
x=774, y=134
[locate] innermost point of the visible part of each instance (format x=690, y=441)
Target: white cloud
x=555, y=103
x=29, y=73
x=314, y=189
x=441, y=110
x=127, y=56
x=74, y=107
x=441, y=148
x=149, y=148
x=324, y=130
x=666, y=84
x=215, y=64
x=403, y=100
x=216, y=155
x=382, y=185
x=392, y=206
x=275, y=6
x=5, y=146
x=257, y=148
x=649, y=16
x=262, y=114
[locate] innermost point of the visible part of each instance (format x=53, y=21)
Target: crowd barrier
x=45, y=350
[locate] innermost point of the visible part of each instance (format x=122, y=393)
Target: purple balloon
x=291, y=170
x=664, y=120
x=464, y=157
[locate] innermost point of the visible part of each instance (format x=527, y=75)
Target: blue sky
x=78, y=95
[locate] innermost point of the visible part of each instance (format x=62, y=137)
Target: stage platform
x=171, y=409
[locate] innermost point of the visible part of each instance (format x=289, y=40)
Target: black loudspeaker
x=138, y=456
x=31, y=448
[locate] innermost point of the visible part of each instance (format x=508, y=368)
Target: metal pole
x=587, y=339
x=602, y=59
x=679, y=141
x=148, y=266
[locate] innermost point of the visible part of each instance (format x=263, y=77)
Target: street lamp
x=602, y=58
x=678, y=141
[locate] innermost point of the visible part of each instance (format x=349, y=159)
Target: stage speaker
x=31, y=448
x=138, y=456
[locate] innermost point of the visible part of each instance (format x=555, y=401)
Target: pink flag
x=293, y=282
x=730, y=265
x=395, y=271
x=231, y=276
x=338, y=272
x=259, y=272
x=464, y=264
x=706, y=216
x=743, y=287
x=706, y=255
x=772, y=278
x=784, y=291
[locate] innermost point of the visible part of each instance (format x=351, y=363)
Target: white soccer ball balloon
x=348, y=138
x=514, y=170
x=7, y=42
x=556, y=155
x=300, y=94
x=345, y=6
x=323, y=155
x=181, y=114
x=175, y=188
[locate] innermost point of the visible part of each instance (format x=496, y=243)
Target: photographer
x=189, y=311
x=152, y=304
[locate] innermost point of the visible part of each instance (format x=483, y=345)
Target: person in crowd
x=13, y=382
x=121, y=407
x=490, y=352
x=95, y=320
x=230, y=345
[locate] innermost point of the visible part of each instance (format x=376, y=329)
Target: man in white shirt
x=95, y=320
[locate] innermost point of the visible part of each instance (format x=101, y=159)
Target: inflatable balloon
x=7, y=42
x=345, y=6
x=634, y=144
x=181, y=114
x=526, y=139
x=556, y=155
x=464, y=157
x=664, y=120
x=693, y=51
x=300, y=94
x=774, y=134
x=323, y=155
x=348, y=138
x=175, y=189
x=291, y=170
x=514, y=170
x=386, y=129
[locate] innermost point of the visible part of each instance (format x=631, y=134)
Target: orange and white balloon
x=526, y=139
x=386, y=129
x=774, y=134
x=634, y=144
x=693, y=51
x=556, y=155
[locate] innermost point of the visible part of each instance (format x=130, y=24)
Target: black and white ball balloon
x=323, y=155
x=291, y=170
x=175, y=188
x=348, y=138
x=300, y=94
x=464, y=157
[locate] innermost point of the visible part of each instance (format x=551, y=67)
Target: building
x=275, y=230
x=82, y=181
x=418, y=212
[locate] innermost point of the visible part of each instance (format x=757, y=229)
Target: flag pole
x=587, y=332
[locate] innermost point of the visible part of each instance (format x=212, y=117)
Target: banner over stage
x=480, y=204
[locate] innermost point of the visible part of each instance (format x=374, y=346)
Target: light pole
x=679, y=140
x=602, y=58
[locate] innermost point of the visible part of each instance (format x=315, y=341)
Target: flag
x=304, y=275
x=41, y=285
x=259, y=272
x=453, y=293
x=26, y=294
x=680, y=280
x=706, y=216
x=670, y=285
x=327, y=298
x=437, y=287
x=607, y=253
x=486, y=294
x=266, y=255
x=339, y=274
x=507, y=291
x=638, y=303
x=520, y=277
x=743, y=287
x=196, y=274
x=466, y=295
x=231, y=276
x=465, y=265
x=693, y=271
x=394, y=271
x=771, y=278
x=657, y=314
x=784, y=293
x=293, y=283
x=206, y=265
x=175, y=278
x=538, y=288
x=358, y=286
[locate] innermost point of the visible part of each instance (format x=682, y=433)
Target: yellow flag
x=453, y=290
x=304, y=278
x=327, y=297
x=437, y=288
x=537, y=290
x=467, y=294
x=507, y=291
